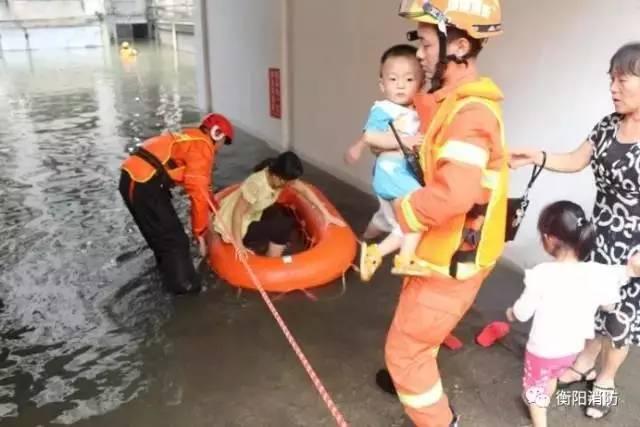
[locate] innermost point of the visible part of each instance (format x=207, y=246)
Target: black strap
x=535, y=173
x=478, y=210
x=149, y=157
x=437, y=81
x=411, y=157
x=537, y=170
x=460, y=257
x=469, y=236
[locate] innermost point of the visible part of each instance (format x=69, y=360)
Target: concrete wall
x=554, y=78
x=335, y=52
x=243, y=40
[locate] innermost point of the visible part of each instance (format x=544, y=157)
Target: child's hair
x=287, y=166
x=567, y=222
x=398, y=51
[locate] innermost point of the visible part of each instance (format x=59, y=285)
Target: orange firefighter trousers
x=428, y=310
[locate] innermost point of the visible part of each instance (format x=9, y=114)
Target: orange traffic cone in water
x=493, y=332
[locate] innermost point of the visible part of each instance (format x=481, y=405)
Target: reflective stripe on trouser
x=428, y=310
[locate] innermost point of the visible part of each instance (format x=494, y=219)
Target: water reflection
x=75, y=315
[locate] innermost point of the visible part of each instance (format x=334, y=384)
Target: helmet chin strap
x=437, y=80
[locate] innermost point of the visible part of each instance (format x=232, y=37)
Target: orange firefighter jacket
x=188, y=157
x=464, y=161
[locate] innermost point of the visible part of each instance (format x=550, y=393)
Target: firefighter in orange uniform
x=462, y=208
x=186, y=158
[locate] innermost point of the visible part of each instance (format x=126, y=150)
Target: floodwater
x=81, y=308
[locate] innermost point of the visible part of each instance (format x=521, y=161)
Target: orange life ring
x=330, y=255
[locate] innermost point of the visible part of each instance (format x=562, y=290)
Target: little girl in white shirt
x=563, y=296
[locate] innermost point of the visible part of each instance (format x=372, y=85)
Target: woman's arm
x=573, y=161
x=239, y=211
x=306, y=192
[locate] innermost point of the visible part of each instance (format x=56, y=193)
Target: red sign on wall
x=274, y=93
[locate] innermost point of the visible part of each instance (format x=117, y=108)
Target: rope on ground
x=335, y=412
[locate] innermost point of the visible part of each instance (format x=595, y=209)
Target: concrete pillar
x=174, y=39
x=106, y=39
x=201, y=36
x=26, y=39
x=174, y=35
x=106, y=44
x=285, y=80
x=115, y=34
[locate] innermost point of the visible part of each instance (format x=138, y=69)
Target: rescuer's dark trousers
x=151, y=208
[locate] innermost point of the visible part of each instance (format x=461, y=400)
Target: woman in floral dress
x=613, y=150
